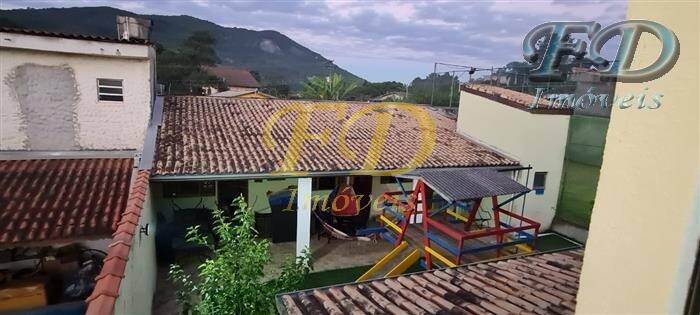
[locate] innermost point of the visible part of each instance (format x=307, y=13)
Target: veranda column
x=303, y=214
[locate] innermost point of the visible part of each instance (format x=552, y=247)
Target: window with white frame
x=110, y=90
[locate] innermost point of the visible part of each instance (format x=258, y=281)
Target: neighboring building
x=74, y=92
x=536, y=137
x=235, y=79
x=74, y=125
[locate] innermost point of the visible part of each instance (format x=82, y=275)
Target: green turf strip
x=346, y=275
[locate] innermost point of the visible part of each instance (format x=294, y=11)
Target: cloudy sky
x=384, y=40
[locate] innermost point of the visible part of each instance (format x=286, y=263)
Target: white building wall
x=139, y=283
x=538, y=140
x=64, y=85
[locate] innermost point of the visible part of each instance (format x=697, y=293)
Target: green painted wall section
x=584, y=155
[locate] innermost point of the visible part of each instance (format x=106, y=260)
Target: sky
x=384, y=40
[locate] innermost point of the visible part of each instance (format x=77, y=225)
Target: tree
x=230, y=282
x=369, y=90
x=421, y=90
x=279, y=91
x=198, y=48
x=330, y=88
x=181, y=70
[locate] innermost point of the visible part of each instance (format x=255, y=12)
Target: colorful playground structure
x=438, y=220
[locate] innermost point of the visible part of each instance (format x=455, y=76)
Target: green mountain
x=277, y=58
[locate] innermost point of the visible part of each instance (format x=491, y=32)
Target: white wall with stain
x=61, y=75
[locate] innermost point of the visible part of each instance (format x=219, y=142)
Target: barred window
x=110, y=90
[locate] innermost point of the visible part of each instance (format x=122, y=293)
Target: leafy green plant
x=333, y=88
x=182, y=69
x=231, y=281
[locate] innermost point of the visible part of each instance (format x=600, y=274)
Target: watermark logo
x=619, y=69
x=304, y=130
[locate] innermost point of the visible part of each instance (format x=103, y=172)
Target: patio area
x=326, y=256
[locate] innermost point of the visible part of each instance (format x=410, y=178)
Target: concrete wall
x=646, y=220
x=48, y=100
x=533, y=139
x=139, y=284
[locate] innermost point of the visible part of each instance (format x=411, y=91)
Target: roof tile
x=73, y=36
x=113, y=266
x=499, y=287
x=59, y=199
x=103, y=297
x=234, y=77
x=211, y=135
x=515, y=99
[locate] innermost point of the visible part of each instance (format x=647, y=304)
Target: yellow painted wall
x=646, y=222
x=533, y=139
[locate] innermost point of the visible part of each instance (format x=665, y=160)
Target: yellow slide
x=398, y=269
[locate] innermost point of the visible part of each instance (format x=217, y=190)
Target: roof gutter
x=518, y=168
x=246, y=176
x=149, y=145
x=47, y=154
x=240, y=176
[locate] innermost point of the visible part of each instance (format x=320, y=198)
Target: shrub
x=231, y=281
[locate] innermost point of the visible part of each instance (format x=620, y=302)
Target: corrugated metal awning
x=455, y=184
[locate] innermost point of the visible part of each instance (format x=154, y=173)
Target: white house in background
x=500, y=118
x=73, y=92
x=74, y=127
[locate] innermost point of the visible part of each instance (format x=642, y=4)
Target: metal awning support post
x=510, y=199
x=441, y=209
x=303, y=215
x=398, y=182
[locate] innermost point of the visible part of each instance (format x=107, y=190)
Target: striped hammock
x=338, y=234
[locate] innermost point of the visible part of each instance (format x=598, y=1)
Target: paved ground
x=334, y=255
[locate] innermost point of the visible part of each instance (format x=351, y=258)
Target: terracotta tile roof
x=234, y=76
x=514, y=99
x=536, y=284
x=61, y=199
x=212, y=135
x=96, y=38
x=104, y=296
